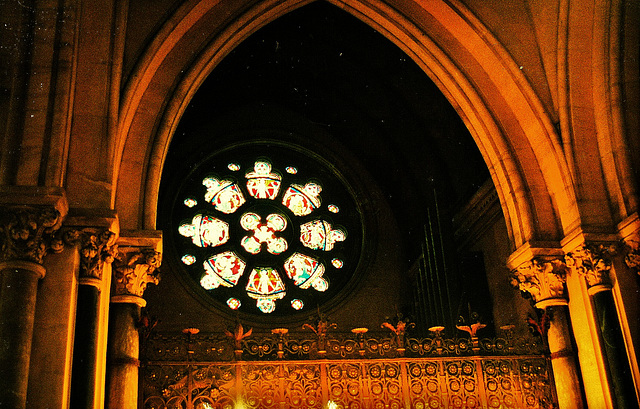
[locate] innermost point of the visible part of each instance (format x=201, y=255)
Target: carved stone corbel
x=593, y=262
x=133, y=271
x=543, y=279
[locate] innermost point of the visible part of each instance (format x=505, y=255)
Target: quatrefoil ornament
x=263, y=233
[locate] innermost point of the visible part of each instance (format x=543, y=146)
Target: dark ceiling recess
x=321, y=66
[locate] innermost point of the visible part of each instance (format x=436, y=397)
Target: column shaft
x=614, y=350
x=83, y=379
x=123, y=353
x=18, y=290
x=565, y=369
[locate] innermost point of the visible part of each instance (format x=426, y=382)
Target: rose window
x=267, y=235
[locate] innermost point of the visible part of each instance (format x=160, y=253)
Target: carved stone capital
x=632, y=258
x=27, y=232
x=133, y=271
x=543, y=279
x=593, y=262
x=97, y=248
x=629, y=232
x=632, y=253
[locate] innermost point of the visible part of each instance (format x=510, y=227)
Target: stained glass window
x=188, y=259
x=262, y=183
x=234, y=303
x=206, y=231
x=302, y=200
x=190, y=202
x=266, y=238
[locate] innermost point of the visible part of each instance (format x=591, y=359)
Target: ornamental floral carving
x=593, y=261
x=542, y=279
x=26, y=233
x=632, y=258
x=135, y=270
x=97, y=247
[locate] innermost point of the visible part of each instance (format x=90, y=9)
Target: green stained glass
x=303, y=270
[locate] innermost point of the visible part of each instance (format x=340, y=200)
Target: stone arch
x=477, y=75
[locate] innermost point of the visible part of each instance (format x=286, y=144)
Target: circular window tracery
x=256, y=228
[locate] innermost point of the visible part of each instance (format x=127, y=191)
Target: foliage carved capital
x=134, y=270
x=28, y=232
x=632, y=253
x=543, y=280
x=97, y=248
x=593, y=262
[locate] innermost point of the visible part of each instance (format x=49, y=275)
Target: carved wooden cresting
x=288, y=371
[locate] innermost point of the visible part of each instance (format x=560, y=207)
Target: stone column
x=627, y=291
x=136, y=266
x=28, y=219
x=95, y=235
x=544, y=280
x=593, y=262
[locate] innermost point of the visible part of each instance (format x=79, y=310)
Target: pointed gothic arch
x=471, y=68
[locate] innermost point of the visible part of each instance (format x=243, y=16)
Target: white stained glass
x=265, y=282
x=333, y=208
x=262, y=183
x=303, y=270
x=224, y=195
x=319, y=235
x=233, y=167
x=263, y=233
x=188, y=259
x=227, y=267
x=337, y=263
x=320, y=284
x=190, y=202
x=297, y=304
x=210, y=281
x=302, y=200
x=265, y=286
x=206, y=231
x=266, y=305
x=234, y=303
x=291, y=170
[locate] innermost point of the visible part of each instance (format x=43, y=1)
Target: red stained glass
x=206, y=231
x=303, y=270
x=302, y=200
x=263, y=233
x=320, y=235
x=225, y=269
x=224, y=195
x=265, y=286
x=262, y=183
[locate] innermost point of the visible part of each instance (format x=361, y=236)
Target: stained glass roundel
x=264, y=242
